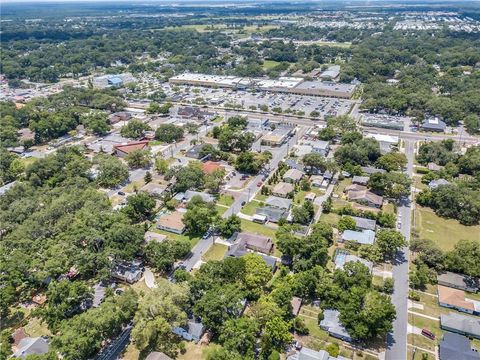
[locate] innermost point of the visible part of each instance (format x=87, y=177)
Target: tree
x=222, y=354
x=249, y=162
x=464, y=258
x=135, y=129
x=139, y=206
x=346, y=223
x=392, y=161
x=472, y=123
x=111, y=171
x=169, y=133
x=190, y=177
x=148, y=177
x=97, y=123
x=160, y=310
x=257, y=275
x=219, y=304
x=315, y=161
x=389, y=242
x=138, y=159
x=237, y=122
x=240, y=336
x=421, y=276
x=161, y=165
x=233, y=140
x=65, y=299
x=199, y=216
x=303, y=214
x=163, y=255
x=227, y=227
x=276, y=335
x=391, y=184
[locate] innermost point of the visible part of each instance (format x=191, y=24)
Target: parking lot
x=325, y=106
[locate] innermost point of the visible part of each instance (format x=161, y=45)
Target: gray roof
x=273, y=214
x=195, y=329
x=294, y=164
x=31, y=346
x=158, y=356
x=458, y=281
x=455, y=346
x=363, y=223
x=436, y=183
x=341, y=259
x=206, y=197
x=360, y=179
x=434, y=124
x=371, y=170
x=366, y=237
x=461, y=323
x=278, y=202
x=332, y=324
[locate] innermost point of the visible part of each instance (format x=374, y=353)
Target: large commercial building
x=292, y=85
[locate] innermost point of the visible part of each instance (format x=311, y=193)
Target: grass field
x=193, y=239
x=221, y=209
x=330, y=218
x=197, y=27
x=35, y=328
x=249, y=208
x=216, y=252
x=335, y=44
x=197, y=352
x=250, y=226
x=268, y=64
x=445, y=232
x=225, y=200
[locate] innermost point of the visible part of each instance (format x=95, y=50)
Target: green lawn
x=341, y=186
x=268, y=64
x=250, y=226
x=261, y=197
x=193, y=239
x=221, y=209
x=330, y=218
x=216, y=252
x=249, y=208
x=389, y=208
x=445, y=232
x=35, y=328
x=225, y=200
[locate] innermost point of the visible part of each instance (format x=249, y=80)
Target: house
x=365, y=237
x=240, y=249
x=316, y=181
x=371, y=170
x=271, y=214
x=458, y=281
x=188, y=112
x=360, y=180
x=129, y=272
x=364, y=224
x=310, y=196
x=153, y=236
x=433, y=124
x=436, y=183
x=210, y=167
x=283, y=189
x=119, y=116
x=158, y=356
x=194, y=151
x=455, y=346
x=293, y=176
x=309, y=354
x=125, y=149
x=302, y=150
x=254, y=242
x=321, y=147
x=274, y=138
x=194, y=332
x=172, y=222
x=292, y=164
x=342, y=257
x=259, y=218
x=278, y=202
x=362, y=195
x=31, y=346
x=189, y=194
x=434, y=167
x=455, y=299
x=461, y=324
x=296, y=304
x=331, y=324
x=153, y=189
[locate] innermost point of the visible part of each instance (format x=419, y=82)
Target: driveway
x=149, y=278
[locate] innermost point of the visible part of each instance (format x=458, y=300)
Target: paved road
x=249, y=192
x=197, y=251
x=397, y=340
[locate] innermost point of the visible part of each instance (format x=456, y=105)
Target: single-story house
x=153, y=189
x=210, y=167
x=283, y=189
x=278, y=202
x=316, y=181
x=172, y=222
x=436, y=183
x=433, y=124
x=31, y=346
x=343, y=257
x=434, y=167
x=331, y=323
x=458, y=281
x=254, y=242
x=274, y=138
x=320, y=146
x=296, y=304
x=301, y=150
x=272, y=214
x=360, y=180
x=365, y=237
x=292, y=164
x=310, y=196
x=125, y=149
x=293, y=176
x=119, y=116
x=194, y=151
x=364, y=224
x=194, y=332
x=371, y=170
x=362, y=195
x=309, y=354
x=259, y=218
x=153, y=236
x=158, y=356
x=127, y=271
x=455, y=299
x=461, y=324
x=458, y=347
x=240, y=249
x=189, y=194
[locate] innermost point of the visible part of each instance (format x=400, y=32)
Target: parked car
x=243, y=203
x=259, y=184
x=121, y=193
x=428, y=334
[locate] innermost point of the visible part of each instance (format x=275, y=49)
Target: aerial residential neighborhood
x=225, y=181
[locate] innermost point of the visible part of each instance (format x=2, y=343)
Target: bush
x=413, y=295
